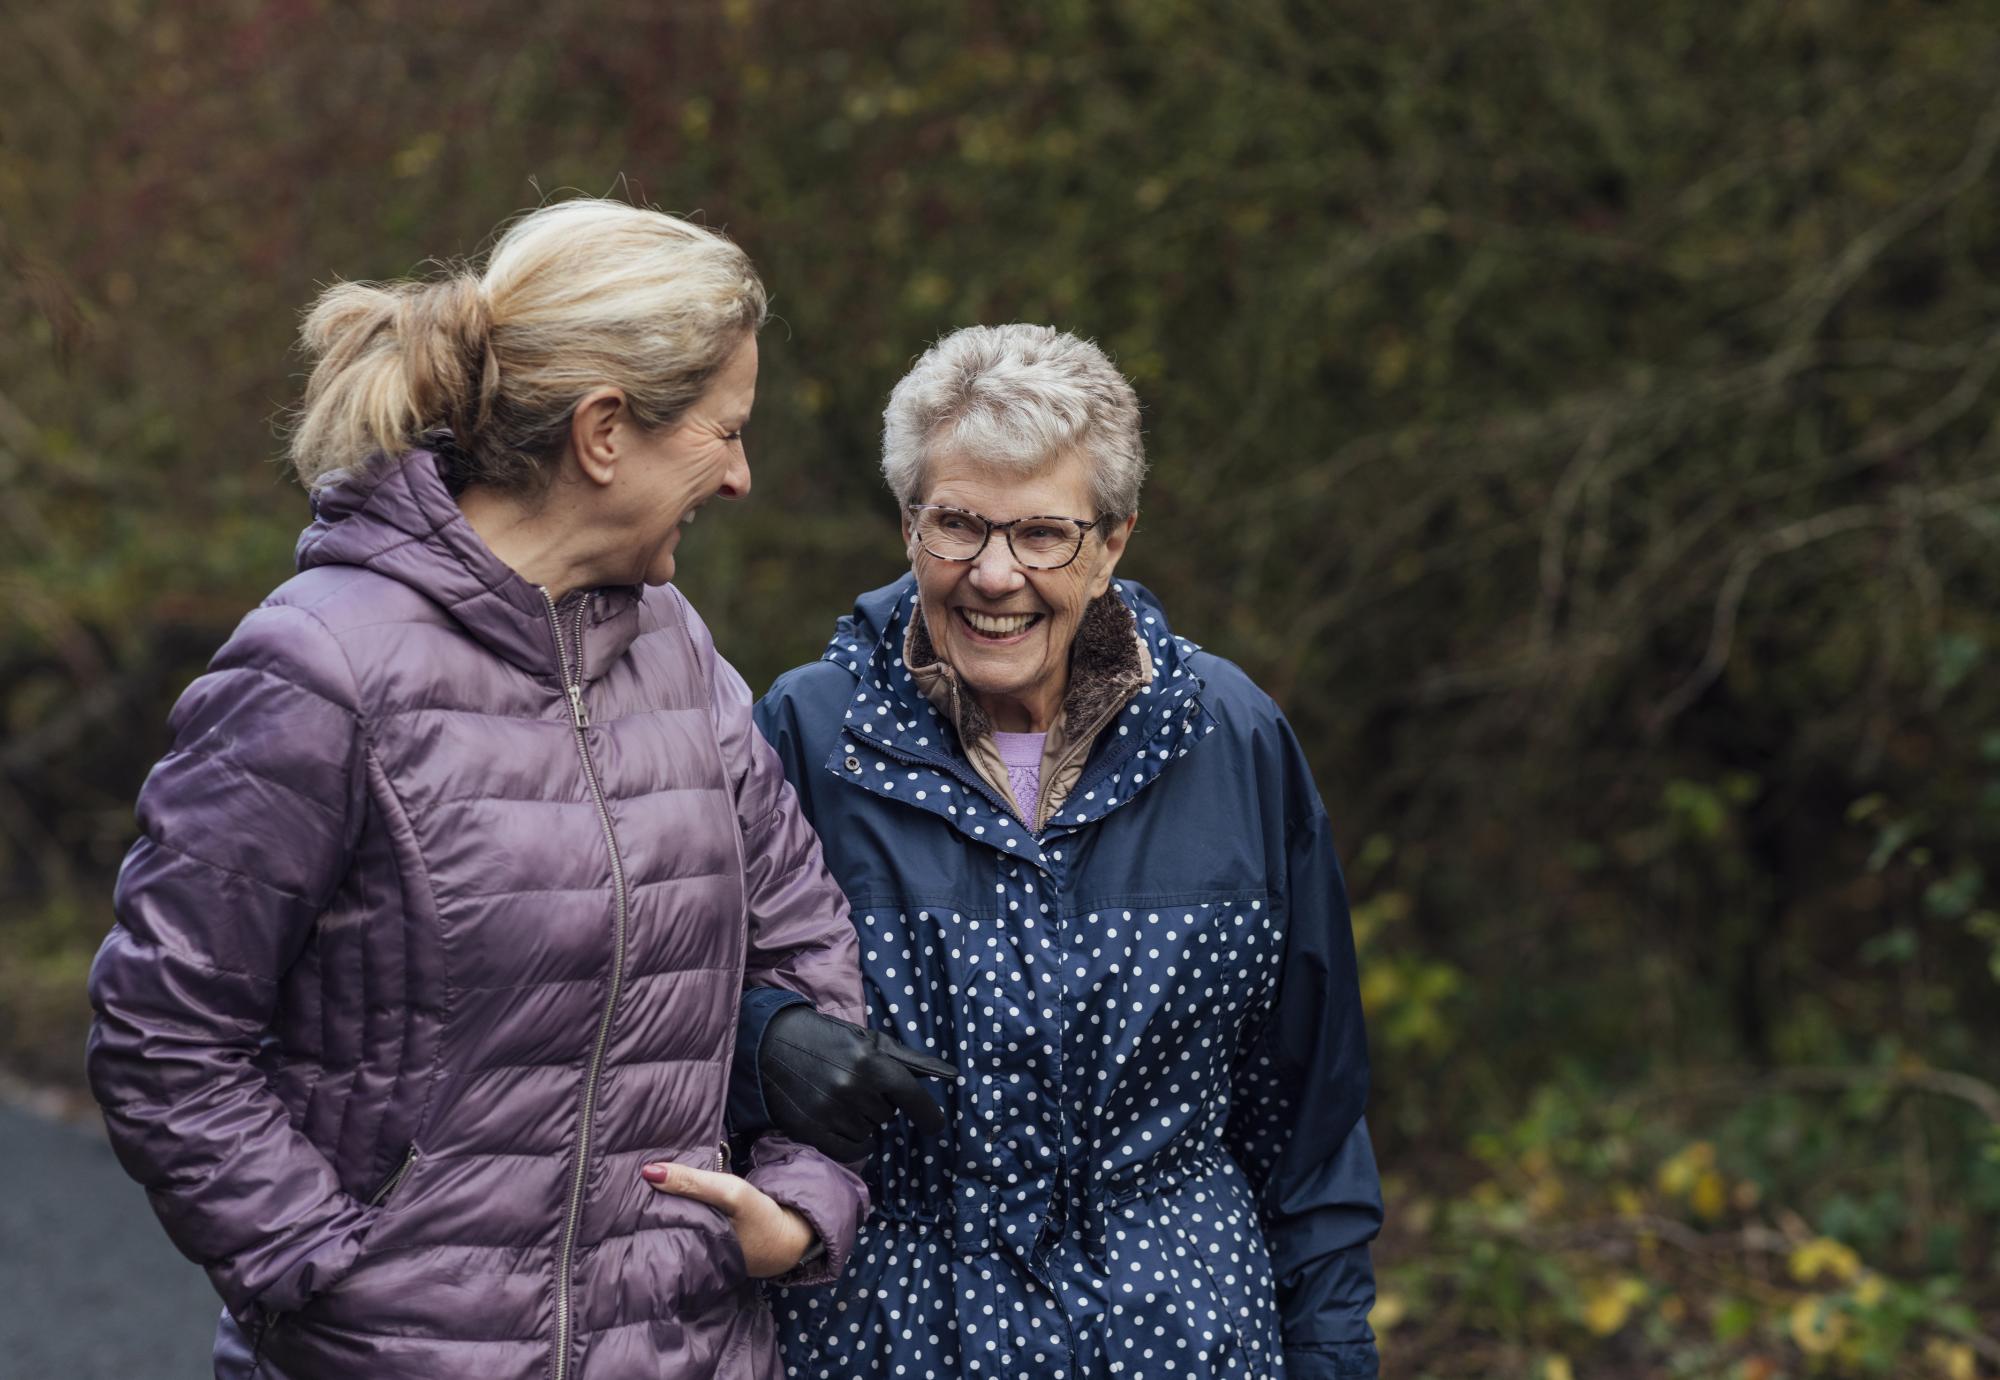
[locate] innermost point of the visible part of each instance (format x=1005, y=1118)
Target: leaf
x=1816, y=1326
x=1824, y=1256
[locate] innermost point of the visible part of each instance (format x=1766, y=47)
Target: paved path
x=89, y=1287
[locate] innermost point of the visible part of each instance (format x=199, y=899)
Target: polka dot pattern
x=1089, y=1210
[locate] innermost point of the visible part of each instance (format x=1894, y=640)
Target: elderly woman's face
x=1004, y=628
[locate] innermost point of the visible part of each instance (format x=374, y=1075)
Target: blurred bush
x=1582, y=418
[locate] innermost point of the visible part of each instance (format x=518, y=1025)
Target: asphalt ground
x=90, y=1288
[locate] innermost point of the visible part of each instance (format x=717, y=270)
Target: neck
x=539, y=539
x=1032, y=712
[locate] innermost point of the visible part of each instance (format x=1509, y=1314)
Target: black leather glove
x=830, y=1085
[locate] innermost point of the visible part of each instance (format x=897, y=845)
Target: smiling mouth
x=996, y=627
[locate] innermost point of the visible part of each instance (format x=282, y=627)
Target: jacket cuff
x=829, y=1195
x=746, y=1112
x=1337, y=1361
x=306, y=1274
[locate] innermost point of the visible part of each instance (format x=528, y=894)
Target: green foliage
x=1582, y=418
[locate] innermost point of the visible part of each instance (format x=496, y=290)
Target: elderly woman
x=427, y=964
x=1088, y=864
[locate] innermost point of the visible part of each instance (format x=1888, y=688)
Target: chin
x=984, y=677
x=660, y=570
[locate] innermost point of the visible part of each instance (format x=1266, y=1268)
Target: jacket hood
x=398, y=519
x=889, y=708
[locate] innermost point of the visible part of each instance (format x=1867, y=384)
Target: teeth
x=1004, y=626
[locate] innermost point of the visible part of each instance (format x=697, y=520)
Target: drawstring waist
x=979, y=1217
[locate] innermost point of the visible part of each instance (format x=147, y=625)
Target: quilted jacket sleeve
x=1296, y=1125
x=246, y=829
x=800, y=940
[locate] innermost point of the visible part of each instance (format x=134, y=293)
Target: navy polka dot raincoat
x=1156, y=1163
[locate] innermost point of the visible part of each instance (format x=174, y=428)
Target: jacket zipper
x=395, y=1179
x=572, y=676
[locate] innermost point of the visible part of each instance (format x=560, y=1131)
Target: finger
x=870, y=1103
x=844, y=1120
x=914, y=1100
x=723, y=1191
x=845, y=1142
x=921, y=1063
x=845, y=1150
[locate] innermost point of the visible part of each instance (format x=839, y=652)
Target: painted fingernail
x=656, y=1173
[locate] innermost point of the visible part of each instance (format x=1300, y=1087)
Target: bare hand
x=773, y=1237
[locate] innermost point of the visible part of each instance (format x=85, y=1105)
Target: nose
x=994, y=571
x=736, y=479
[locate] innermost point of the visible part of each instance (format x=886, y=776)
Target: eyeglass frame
x=1006, y=533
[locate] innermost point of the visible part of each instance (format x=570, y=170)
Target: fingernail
x=656, y=1173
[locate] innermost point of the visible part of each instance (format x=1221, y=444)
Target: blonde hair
x=574, y=296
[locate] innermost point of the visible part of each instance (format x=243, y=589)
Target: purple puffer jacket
x=435, y=934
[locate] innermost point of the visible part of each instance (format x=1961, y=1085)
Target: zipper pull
x=722, y=1157
x=576, y=709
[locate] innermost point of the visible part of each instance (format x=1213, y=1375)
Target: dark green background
x=1582, y=417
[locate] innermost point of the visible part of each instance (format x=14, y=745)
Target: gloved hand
x=830, y=1085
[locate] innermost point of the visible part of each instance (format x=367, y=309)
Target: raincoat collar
x=896, y=743
x=398, y=519
x=1108, y=666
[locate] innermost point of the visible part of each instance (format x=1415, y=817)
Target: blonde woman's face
x=699, y=458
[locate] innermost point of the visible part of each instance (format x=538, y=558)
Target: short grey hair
x=1016, y=397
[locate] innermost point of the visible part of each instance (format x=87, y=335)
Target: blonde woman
x=428, y=959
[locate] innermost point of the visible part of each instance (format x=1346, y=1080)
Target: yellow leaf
x=1710, y=1195
x=1388, y=1311
x=1952, y=1360
x=1380, y=985
x=1678, y=1174
x=1869, y=1290
x=1557, y=1368
x=1824, y=1255
x=1816, y=1326
x=1607, y=1304
x=416, y=159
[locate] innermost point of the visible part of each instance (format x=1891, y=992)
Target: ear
x=909, y=537
x=1114, y=547
x=595, y=434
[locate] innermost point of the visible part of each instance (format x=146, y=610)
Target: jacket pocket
x=695, y=1246
x=272, y=1323
x=387, y=1188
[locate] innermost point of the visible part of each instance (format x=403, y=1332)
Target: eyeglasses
x=1039, y=543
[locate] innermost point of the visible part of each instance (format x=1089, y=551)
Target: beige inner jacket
x=1108, y=667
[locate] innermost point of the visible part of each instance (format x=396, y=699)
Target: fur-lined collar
x=1108, y=666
